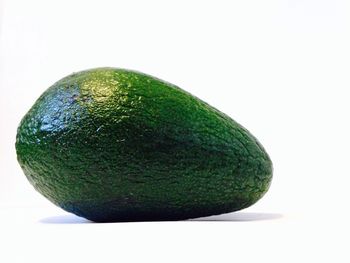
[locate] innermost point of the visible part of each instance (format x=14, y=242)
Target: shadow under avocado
x=240, y=217
x=64, y=219
x=230, y=217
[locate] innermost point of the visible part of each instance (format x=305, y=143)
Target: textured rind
x=117, y=145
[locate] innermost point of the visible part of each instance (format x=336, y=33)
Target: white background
x=280, y=68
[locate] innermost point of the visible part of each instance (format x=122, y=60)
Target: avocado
x=112, y=145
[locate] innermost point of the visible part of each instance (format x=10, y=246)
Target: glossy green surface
x=117, y=145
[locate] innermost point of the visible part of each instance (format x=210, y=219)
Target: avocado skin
x=113, y=145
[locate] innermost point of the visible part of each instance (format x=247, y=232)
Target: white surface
x=280, y=68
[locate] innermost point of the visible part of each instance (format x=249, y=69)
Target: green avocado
x=113, y=145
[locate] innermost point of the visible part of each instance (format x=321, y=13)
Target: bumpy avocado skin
x=111, y=144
